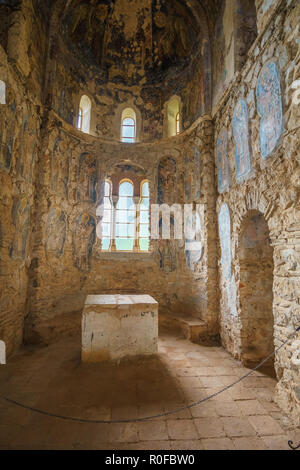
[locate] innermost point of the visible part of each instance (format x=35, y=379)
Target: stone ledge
x=193, y=329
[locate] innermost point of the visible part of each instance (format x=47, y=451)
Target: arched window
x=107, y=220
x=125, y=217
x=128, y=126
x=174, y=117
x=144, y=219
x=84, y=114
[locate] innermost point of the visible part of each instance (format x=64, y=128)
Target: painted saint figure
x=241, y=139
x=167, y=250
x=193, y=247
x=7, y=129
x=83, y=241
x=86, y=178
x=223, y=162
x=21, y=221
x=167, y=181
x=56, y=232
x=60, y=169
x=269, y=106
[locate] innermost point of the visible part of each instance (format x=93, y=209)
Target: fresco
x=56, y=232
x=223, y=162
x=167, y=191
x=21, y=222
x=7, y=129
x=193, y=247
x=269, y=106
x=256, y=233
x=83, y=241
x=60, y=168
x=192, y=176
x=167, y=251
x=153, y=38
x=28, y=148
x=241, y=139
x=86, y=178
x=225, y=240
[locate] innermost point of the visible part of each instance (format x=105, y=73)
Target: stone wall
x=257, y=161
x=21, y=70
x=233, y=34
x=60, y=279
x=165, y=52
x=50, y=258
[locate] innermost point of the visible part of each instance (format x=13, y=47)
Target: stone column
x=136, y=201
x=114, y=219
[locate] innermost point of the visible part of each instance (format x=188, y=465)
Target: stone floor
x=53, y=379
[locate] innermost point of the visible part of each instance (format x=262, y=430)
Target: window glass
x=125, y=218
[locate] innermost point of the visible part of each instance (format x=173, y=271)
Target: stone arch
x=255, y=254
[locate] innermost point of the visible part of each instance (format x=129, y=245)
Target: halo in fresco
x=269, y=107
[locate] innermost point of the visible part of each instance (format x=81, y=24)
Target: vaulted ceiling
x=134, y=39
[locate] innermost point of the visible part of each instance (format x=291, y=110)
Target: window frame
x=129, y=113
x=84, y=115
x=139, y=237
x=128, y=211
x=111, y=222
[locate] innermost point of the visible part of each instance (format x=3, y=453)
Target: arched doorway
x=256, y=292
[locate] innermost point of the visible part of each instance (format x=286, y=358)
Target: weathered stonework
x=115, y=327
x=272, y=190
x=236, y=71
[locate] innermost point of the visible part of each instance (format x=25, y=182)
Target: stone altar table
x=118, y=326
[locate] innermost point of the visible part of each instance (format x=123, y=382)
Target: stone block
x=119, y=326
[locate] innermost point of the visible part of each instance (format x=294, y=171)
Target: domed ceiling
x=135, y=41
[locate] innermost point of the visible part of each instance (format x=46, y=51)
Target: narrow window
x=84, y=114
x=128, y=126
x=144, y=222
x=125, y=218
x=79, y=121
x=177, y=124
x=107, y=218
x=174, y=117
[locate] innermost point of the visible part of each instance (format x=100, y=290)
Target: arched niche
x=256, y=292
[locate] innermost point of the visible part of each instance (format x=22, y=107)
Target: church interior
x=112, y=337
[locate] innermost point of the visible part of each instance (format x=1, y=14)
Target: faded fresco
x=27, y=148
x=167, y=192
x=167, y=251
x=192, y=176
x=21, y=222
x=241, y=139
x=257, y=232
x=60, y=168
x=223, y=161
x=86, y=178
x=225, y=240
x=7, y=129
x=156, y=36
x=56, y=232
x=83, y=241
x=269, y=106
x=194, y=247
